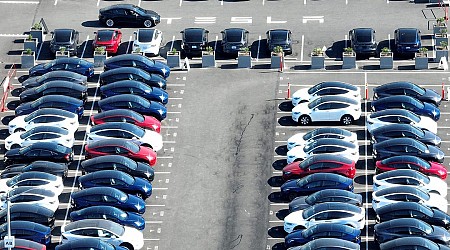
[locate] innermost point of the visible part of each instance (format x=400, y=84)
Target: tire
x=148, y=23
x=299, y=227
x=304, y=120
x=15, y=146
x=127, y=246
x=19, y=130
x=347, y=120
x=109, y=22
x=139, y=195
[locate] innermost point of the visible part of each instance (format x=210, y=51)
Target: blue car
x=415, y=242
x=313, y=183
x=135, y=103
x=67, y=103
x=135, y=88
x=107, y=196
x=60, y=75
x=328, y=243
x=110, y=213
x=409, y=89
x=28, y=230
x=117, y=179
x=138, y=61
x=76, y=65
x=408, y=103
x=88, y=243
x=130, y=73
x=325, y=230
x=407, y=40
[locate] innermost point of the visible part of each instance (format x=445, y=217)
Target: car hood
x=154, y=138
x=441, y=216
x=26, y=93
x=296, y=152
x=432, y=95
x=301, y=95
x=438, y=201
x=163, y=67
x=37, y=69
x=158, y=107
x=298, y=203
x=143, y=185
x=162, y=94
x=294, y=218
x=12, y=153
x=146, y=169
x=436, y=152
x=137, y=220
x=19, y=120
x=296, y=237
x=432, y=138
x=302, y=108
x=138, y=203
x=439, y=233
x=134, y=236
x=288, y=185
x=432, y=110
x=32, y=81
x=24, y=107
x=14, y=137
x=151, y=13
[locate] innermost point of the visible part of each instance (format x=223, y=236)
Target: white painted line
x=215, y=43
x=162, y=172
x=98, y=2
x=154, y=222
x=345, y=39
x=301, y=51
x=279, y=204
x=85, y=44
x=165, y=157
x=175, y=98
x=259, y=45
x=39, y=52
x=177, y=84
x=167, y=127
x=152, y=239
x=155, y=205
x=181, y=2
x=276, y=221
x=56, y=2
x=13, y=35
x=173, y=112
x=262, y=2
x=129, y=43
x=304, y=2
x=139, y=3
x=23, y=2
x=221, y=2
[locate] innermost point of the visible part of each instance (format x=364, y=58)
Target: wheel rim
x=347, y=120
x=147, y=23
x=304, y=120
x=109, y=22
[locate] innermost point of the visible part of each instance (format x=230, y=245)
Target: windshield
x=234, y=37
x=104, y=35
x=364, y=36
x=145, y=36
x=278, y=36
x=314, y=103
x=193, y=36
x=63, y=37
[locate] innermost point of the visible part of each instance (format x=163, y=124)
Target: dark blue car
x=88, y=243
x=326, y=195
x=404, y=130
x=138, y=61
x=407, y=40
x=130, y=73
x=415, y=242
x=406, y=146
x=28, y=230
x=107, y=196
x=60, y=75
x=76, y=65
x=64, y=88
x=409, y=89
x=135, y=103
x=328, y=243
x=408, y=103
x=135, y=88
x=117, y=179
x=110, y=213
x=57, y=169
x=324, y=230
x=313, y=183
x=70, y=104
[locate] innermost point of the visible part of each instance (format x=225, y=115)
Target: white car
x=109, y=231
x=31, y=195
x=40, y=134
x=328, y=109
x=391, y=195
x=326, y=88
x=301, y=139
x=399, y=116
x=409, y=177
x=328, y=212
x=324, y=146
x=35, y=179
x=126, y=131
x=148, y=41
x=46, y=116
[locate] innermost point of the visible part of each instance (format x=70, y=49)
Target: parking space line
x=98, y=2
x=155, y=205
x=301, y=50
x=56, y=2
x=84, y=49
x=151, y=239
x=129, y=43
x=22, y=2
x=259, y=45
x=154, y=222
x=181, y=2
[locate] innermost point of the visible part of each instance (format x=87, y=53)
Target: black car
x=60, y=75
x=130, y=73
x=408, y=227
x=407, y=146
x=194, y=40
x=234, y=40
x=410, y=243
x=51, y=101
x=409, y=89
x=57, y=169
x=415, y=210
x=128, y=14
x=47, y=151
x=362, y=41
x=320, y=231
x=404, y=130
x=137, y=61
x=29, y=212
x=72, y=64
x=326, y=195
x=135, y=88
x=118, y=162
x=67, y=38
x=279, y=37
x=407, y=40
x=64, y=88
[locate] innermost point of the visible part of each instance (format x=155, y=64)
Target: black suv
x=128, y=14
x=234, y=39
x=68, y=38
x=194, y=40
x=362, y=41
x=280, y=37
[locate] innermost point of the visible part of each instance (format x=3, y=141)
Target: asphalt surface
x=218, y=175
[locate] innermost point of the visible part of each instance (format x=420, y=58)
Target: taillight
x=67, y=157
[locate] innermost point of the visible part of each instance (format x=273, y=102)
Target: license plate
x=194, y=47
x=233, y=47
x=407, y=47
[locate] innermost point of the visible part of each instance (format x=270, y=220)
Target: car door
x=121, y=15
x=32, y=139
x=321, y=112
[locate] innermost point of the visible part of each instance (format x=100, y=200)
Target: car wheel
x=127, y=246
x=304, y=120
x=139, y=195
x=15, y=146
x=347, y=120
x=109, y=22
x=148, y=23
x=19, y=130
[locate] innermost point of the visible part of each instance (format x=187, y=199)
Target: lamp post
x=9, y=240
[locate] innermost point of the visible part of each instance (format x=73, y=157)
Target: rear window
x=104, y=36
x=145, y=36
x=407, y=37
x=62, y=37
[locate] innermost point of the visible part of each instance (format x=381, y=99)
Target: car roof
x=405, y=205
x=108, y=158
x=100, y=209
x=408, y=30
x=36, y=190
x=53, y=111
x=124, y=97
x=363, y=30
x=396, y=85
x=119, y=6
x=338, y=84
x=324, y=177
x=36, y=174
x=400, y=190
x=401, y=173
x=395, y=112
x=394, y=127
x=65, y=84
x=194, y=30
x=339, y=206
x=113, y=174
x=401, y=222
x=31, y=208
x=125, y=83
x=396, y=98
x=404, y=158
x=99, y=191
x=115, y=125
x=332, y=142
x=28, y=225
x=96, y=223
x=127, y=57
x=126, y=70
x=410, y=242
x=237, y=31
x=63, y=31
x=50, y=129
x=61, y=98
x=72, y=60
x=327, y=157
x=332, y=227
x=116, y=142
x=330, y=130
x=117, y=112
x=46, y=145
x=279, y=32
x=399, y=141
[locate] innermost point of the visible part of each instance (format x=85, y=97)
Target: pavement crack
x=236, y=241
x=242, y=135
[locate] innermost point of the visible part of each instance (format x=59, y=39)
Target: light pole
x=9, y=240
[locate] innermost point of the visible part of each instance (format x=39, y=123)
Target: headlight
x=12, y=126
x=296, y=113
x=287, y=173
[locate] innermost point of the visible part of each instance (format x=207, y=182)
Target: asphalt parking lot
x=218, y=173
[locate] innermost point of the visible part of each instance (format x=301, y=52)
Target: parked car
x=135, y=103
x=409, y=89
x=194, y=40
x=130, y=73
x=44, y=117
x=411, y=162
x=64, y=88
x=328, y=212
x=52, y=101
x=322, y=163
x=324, y=243
x=362, y=41
x=59, y=75
x=404, y=130
x=39, y=180
x=327, y=108
x=125, y=131
x=120, y=147
x=135, y=88
x=118, y=162
x=313, y=183
x=234, y=40
x=138, y=61
x=68, y=39
x=27, y=230
x=23, y=244
x=407, y=40
x=129, y=116
x=280, y=37
x=408, y=103
x=76, y=65
x=301, y=139
x=128, y=14
x=109, y=213
x=148, y=41
x=109, y=39
x=412, y=243
x=29, y=212
x=49, y=167
x=399, y=116
x=40, y=134
x=107, y=196
x=45, y=151
x=326, y=195
x=406, y=146
x=91, y=244
x=326, y=88
x=32, y=195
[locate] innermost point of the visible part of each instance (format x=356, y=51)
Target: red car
x=110, y=39
x=411, y=162
x=129, y=116
x=121, y=147
x=323, y=163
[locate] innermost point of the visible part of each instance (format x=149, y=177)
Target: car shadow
x=286, y=106
x=335, y=51
x=368, y=163
x=92, y=24
x=281, y=150
x=12, y=105
x=7, y=119
x=44, y=52
x=263, y=49
x=277, y=232
x=281, y=214
x=275, y=181
x=364, y=179
x=85, y=49
x=276, y=197
x=287, y=121
x=279, y=164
